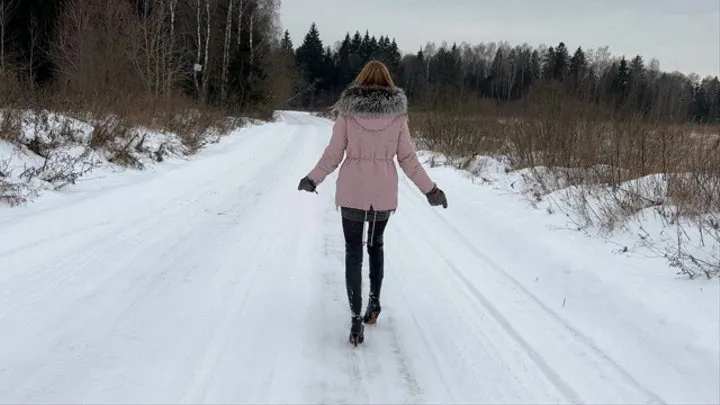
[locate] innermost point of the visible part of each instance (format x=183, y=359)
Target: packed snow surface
x=216, y=280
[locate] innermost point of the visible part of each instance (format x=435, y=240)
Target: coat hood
x=372, y=101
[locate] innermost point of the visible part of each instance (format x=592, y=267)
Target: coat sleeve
x=409, y=162
x=333, y=155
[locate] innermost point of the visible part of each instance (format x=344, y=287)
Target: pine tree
x=394, y=57
x=561, y=62
x=548, y=68
x=310, y=58
x=700, y=106
x=310, y=54
x=536, y=65
x=621, y=81
x=356, y=59
x=343, y=63
x=578, y=67
x=383, y=50
x=365, y=48
x=637, y=83
x=356, y=44
x=374, y=48
x=330, y=72
x=286, y=44
x=713, y=90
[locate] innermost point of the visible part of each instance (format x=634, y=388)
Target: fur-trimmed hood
x=372, y=101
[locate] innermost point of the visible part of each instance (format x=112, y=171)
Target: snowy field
x=215, y=280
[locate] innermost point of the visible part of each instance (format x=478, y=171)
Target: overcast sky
x=683, y=35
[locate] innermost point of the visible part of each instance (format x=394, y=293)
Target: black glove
x=436, y=197
x=307, y=184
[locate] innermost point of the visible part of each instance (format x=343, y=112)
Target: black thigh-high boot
x=376, y=253
x=353, y=276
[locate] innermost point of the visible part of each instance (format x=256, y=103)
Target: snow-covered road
x=217, y=281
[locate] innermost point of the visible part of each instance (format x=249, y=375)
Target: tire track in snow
x=572, y=395
x=233, y=167
x=401, y=358
x=438, y=366
x=243, y=136
x=136, y=229
x=118, y=269
x=237, y=308
x=430, y=257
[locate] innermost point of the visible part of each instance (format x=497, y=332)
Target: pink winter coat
x=370, y=132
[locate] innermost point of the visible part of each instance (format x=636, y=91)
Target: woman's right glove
x=437, y=197
x=307, y=184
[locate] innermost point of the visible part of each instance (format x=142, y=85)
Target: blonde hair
x=375, y=73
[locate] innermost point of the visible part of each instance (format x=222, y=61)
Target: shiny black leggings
x=353, y=232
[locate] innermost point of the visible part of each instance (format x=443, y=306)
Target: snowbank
x=43, y=151
x=637, y=216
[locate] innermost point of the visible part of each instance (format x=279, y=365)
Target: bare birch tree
x=226, y=52
x=198, y=59
x=206, y=71
x=156, y=57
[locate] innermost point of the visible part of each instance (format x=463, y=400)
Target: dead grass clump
x=109, y=132
x=10, y=121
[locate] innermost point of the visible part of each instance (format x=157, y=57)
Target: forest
x=234, y=55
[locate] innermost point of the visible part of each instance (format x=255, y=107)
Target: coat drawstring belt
x=372, y=230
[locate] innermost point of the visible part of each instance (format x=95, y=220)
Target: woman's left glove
x=307, y=184
x=437, y=197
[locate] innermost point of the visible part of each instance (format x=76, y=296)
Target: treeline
x=501, y=72
x=216, y=52
x=231, y=53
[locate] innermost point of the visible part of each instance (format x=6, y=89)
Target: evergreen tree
x=310, y=54
x=343, y=63
x=310, y=59
x=548, y=68
x=621, y=81
x=356, y=44
x=286, y=44
x=700, y=106
x=561, y=63
x=374, y=48
x=383, y=50
x=394, y=57
x=330, y=72
x=356, y=59
x=536, y=66
x=638, y=83
x=713, y=91
x=578, y=67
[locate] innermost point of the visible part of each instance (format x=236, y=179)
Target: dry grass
x=115, y=117
x=9, y=125
x=119, y=127
x=565, y=143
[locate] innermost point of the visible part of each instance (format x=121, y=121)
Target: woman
x=372, y=129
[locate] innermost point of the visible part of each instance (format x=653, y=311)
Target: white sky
x=683, y=35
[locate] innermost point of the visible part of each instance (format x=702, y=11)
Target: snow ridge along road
x=217, y=281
